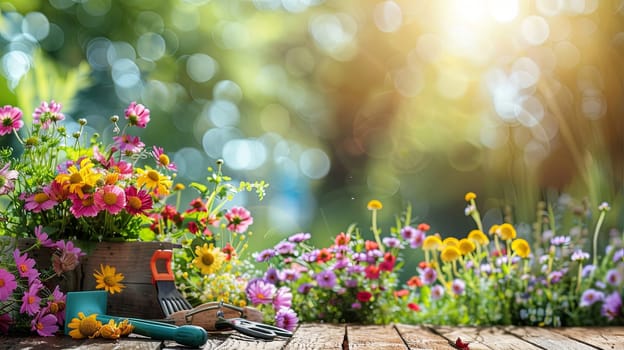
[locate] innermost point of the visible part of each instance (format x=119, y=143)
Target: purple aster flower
x=272, y=275
x=356, y=306
x=588, y=270
x=359, y=257
x=591, y=296
x=326, y=279
x=418, y=239
x=612, y=306
x=555, y=276
x=310, y=256
x=613, y=277
x=428, y=275
x=408, y=233
x=355, y=269
x=391, y=242
x=458, y=286
x=305, y=288
x=265, y=255
x=286, y=318
x=285, y=248
x=618, y=255
x=351, y=283
x=341, y=264
x=437, y=292
x=299, y=237
x=579, y=255
x=290, y=275
x=560, y=240
x=260, y=291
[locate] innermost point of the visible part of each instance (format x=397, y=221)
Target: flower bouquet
x=61, y=185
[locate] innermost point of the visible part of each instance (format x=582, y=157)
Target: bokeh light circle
x=314, y=163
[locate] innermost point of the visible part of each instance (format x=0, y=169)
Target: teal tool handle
x=188, y=335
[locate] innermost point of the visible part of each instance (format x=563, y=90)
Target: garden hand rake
x=169, y=297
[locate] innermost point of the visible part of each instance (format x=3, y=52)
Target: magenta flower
x=613, y=277
x=41, y=201
x=56, y=304
x=428, y=275
x=299, y=237
x=129, y=144
x=110, y=198
x=283, y=298
x=162, y=159
x=45, y=324
x=272, y=275
x=31, y=300
x=43, y=238
x=137, y=201
x=25, y=265
x=7, y=179
x=612, y=306
x=10, y=119
x=138, y=115
x=437, y=292
x=260, y=292
x=238, y=219
x=7, y=284
x=591, y=296
x=326, y=279
x=47, y=114
x=85, y=206
x=286, y=318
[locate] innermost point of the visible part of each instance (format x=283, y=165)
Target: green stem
x=596, y=232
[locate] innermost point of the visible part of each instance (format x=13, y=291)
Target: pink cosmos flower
x=286, y=318
x=56, y=304
x=31, y=300
x=162, y=159
x=44, y=324
x=129, y=144
x=124, y=169
x=7, y=179
x=7, y=284
x=43, y=238
x=283, y=298
x=137, y=201
x=85, y=206
x=25, y=265
x=110, y=198
x=238, y=219
x=5, y=321
x=10, y=119
x=137, y=114
x=41, y=201
x=260, y=292
x=47, y=114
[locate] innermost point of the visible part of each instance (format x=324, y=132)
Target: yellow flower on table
x=208, y=258
x=108, y=279
x=84, y=326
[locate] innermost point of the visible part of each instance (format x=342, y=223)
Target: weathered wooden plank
x=314, y=336
x=421, y=338
x=547, y=339
x=238, y=341
x=600, y=337
x=65, y=342
x=374, y=338
x=484, y=338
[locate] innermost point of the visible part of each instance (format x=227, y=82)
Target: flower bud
x=114, y=119
x=82, y=121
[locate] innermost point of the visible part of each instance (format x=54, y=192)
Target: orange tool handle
x=165, y=255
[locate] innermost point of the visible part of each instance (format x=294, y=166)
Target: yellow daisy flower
x=450, y=242
x=493, y=229
x=83, y=327
x=478, y=237
x=432, y=243
x=506, y=231
x=466, y=246
x=81, y=180
x=108, y=279
x=109, y=331
x=521, y=247
x=125, y=327
x=208, y=258
x=374, y=205
x=450, y=253
x=470, y=196
x=154, y=181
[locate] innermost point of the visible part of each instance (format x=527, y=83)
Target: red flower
x=372, y=272
x=424, y=227
x=364, y=296
x=342, y=239
x=401, y=293
x=370, y=245
x=324, y=255
x=461, y=345
x=415, y=281
x=229, y=251
x=423, y=265
x=414, y=307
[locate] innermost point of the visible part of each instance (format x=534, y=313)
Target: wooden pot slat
x=374, y=338
x=313, y=336
x=546, y=338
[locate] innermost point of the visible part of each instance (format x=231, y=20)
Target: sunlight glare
x=503, y=10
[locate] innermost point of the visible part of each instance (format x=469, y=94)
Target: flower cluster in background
x=213, y=235
x=75, y=185
x=550, y=276
x=29, y=301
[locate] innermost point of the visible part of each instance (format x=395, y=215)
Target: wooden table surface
x=323, y=336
